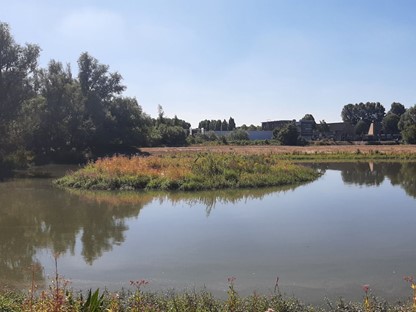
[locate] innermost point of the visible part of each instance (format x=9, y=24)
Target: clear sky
x=253, y=60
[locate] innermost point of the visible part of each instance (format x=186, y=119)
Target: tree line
x=49, y=114
x=398, y=120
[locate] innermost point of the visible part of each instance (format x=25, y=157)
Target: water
x=355, y=225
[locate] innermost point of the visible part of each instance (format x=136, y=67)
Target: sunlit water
x=355, y=225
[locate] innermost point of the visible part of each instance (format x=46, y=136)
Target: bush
x=287, y=135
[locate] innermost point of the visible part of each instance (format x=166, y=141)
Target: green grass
x=188, y=172
x=138, y=299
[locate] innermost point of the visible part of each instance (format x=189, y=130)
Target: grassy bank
x=59, y=298
x=188, y=172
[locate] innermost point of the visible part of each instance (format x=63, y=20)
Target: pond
x=355, y=225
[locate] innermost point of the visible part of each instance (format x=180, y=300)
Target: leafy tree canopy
x=397, y=108
x=368, y=112
x=390, y=123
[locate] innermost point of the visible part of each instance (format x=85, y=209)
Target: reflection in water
x=373, y=173
x=256, y=230
x=209, y=199
x=35, y=216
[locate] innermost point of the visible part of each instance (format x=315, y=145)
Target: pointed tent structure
x=371, y=130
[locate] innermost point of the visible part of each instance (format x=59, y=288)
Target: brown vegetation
x=266, y=149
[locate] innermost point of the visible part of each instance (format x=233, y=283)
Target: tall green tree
x=368, y=112
x=397, y=109
x=224, y=125
x=98, y=87
x=18, y=65
x=390, y=123
x=231, y=124
x=56, y=115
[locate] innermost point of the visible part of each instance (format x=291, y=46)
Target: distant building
x=341, y=131
x=305, y=127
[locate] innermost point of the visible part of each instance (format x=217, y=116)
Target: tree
x=244, y=127
x=204, y=124
x=55, y=117
x=368, y=112
x=160, y=114
x=397, y=108
x=212, y=125
x=98, y=87
x=218, y=125
x=361, y=127
x=349, y=114
x=224, y=125
x=129, y=125
x=409, y=134
x=18, y=65
x=390, y=123
x=167, y=135
x=407, y=125
x=231, y=124
x=287, y=135
x=308, y=117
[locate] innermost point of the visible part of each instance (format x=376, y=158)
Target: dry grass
x=266, y=149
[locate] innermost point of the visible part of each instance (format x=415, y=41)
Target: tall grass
x=188, y=172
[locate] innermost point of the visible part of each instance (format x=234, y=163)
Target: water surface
x=355, y=225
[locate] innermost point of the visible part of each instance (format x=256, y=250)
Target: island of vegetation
x=187, y=172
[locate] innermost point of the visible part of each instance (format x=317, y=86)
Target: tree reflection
x=210, y=199
x=34, y=216
x=402, y=174
x=363, y=174
x=406, y=178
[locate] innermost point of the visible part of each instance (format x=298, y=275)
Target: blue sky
x=252, y=60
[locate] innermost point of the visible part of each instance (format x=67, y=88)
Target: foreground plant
x=60, y=298
x=367, y=305
x=410, y=280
